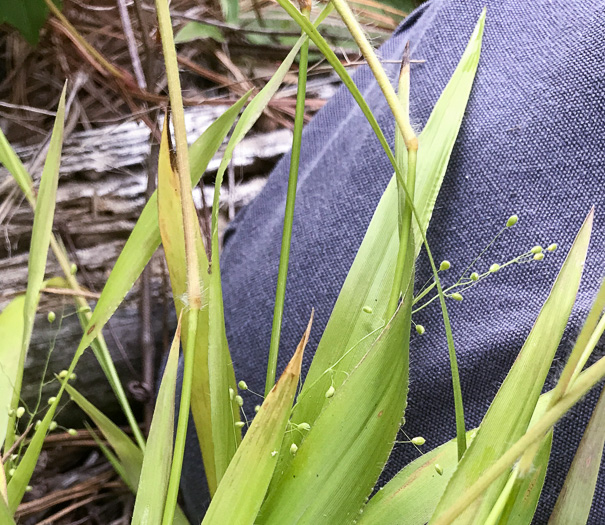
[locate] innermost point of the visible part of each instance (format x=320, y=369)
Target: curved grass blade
x=155, y=471
x=145, y=237
x=509, y=414
x=130, y=456
x=342, y=456
x=574, y=501
x=11, y=335
x=412, y=495
x=243, y=487
x=351, y=330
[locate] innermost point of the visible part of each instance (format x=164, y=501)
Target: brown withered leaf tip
x=405, y=61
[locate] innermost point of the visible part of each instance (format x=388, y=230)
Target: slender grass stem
x=183, y=420
x=401, y=117
x=284, y=257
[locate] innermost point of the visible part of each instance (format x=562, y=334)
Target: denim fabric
x=532, y=143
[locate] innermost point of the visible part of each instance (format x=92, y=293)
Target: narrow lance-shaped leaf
x=574, y=501
x=340, y=459
x=243, y=487
x=361, y=307
x=155, y=471
x=41, y=231
x=411, y=497
x=509, y=414
x=145, y=237
x=129, y=459
x=128, y=453
x=11, y=335
x=13, y=164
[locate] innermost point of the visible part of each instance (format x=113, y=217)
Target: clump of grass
x=313, y=455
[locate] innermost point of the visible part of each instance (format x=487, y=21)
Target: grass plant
x=314, y=455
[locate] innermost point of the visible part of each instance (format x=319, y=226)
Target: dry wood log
x=101, y=193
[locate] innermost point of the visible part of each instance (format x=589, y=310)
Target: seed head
x=257, y=408
x=494, y=268
x=239, y=400
x=420, y=329
x=239, y=424
x=304, y=426
x=445, y=265
x=293, y=449
x=51, y=400
x=72, y=431
x=552, y=247
x=512, y=220
x=52, y=426
x=51, y=317
x=439, y=469
x=242, y=385
x=73, y=269
x=330, y=392
x=474, y=276
x=538, y=256
x=456, y=296
x=418, y=441
x=536, y=249
x=231, y=393
x=367, y=309
x=19, y=412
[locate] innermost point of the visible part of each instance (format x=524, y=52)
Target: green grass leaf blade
x=44, y=212
x=11, y=335
x=13, y=164
x=41, y=231
x=574, y=501
x=412, y=495
x=509, y=414
x=243, y=487
x=145, y=237
x=128, y=453
x=6, y=516
x=155, y=471
x=340, y=459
